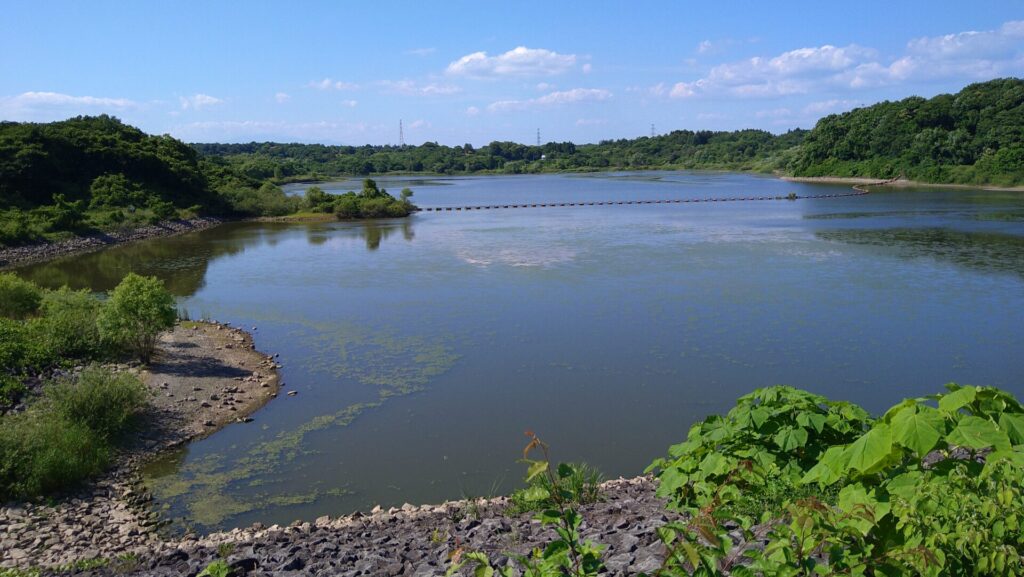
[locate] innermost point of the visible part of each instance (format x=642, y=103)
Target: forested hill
x=97, y=173
x=38, y=161
x=975, y=136
x=738, y=150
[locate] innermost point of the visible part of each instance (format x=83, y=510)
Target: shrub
x=575, y=483
x=11, y=389
x=68, y=435
x=67, y=326
x=19, y=298
x=139, y=309
x=42, y=453
x=101, y=400
x=13, y=344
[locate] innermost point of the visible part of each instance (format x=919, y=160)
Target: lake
x=423, y=348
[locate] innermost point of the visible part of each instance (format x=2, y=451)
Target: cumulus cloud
x=472, y=111
x=553, y=99
x=972, y=55
x=282, y=97
x=520, y=61
x=46, y=105
x=416, y=124
x=198, y=101
x=329, y=84
x=413, y=88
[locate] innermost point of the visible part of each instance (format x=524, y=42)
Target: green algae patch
x=212, y=489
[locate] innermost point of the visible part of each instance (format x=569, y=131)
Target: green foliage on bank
x=69, y=434
x=933, y=487
x=74, y=424
x=370, y=202
x=973, y=137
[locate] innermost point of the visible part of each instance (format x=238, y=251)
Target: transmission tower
x=538, y=137
x=652, y=130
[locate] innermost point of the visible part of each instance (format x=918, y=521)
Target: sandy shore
x=204, y=376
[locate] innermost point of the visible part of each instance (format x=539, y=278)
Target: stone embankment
x=204, y=377
x=42, y=251
x=414, y=541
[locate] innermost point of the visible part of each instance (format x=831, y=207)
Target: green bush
x=67, y=326
x=19, y=298
x=139, y=309
x=103, y=401
x=11, y=389
x=13, y=344
x=68, y=435
x=42, y=453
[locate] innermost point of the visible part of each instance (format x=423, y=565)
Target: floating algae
x=216, y=487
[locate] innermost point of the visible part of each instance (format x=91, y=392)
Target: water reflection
x=981, y=251
x=182, y=261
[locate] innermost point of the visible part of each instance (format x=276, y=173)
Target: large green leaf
x=1013, y=424
x=869, y=453
x=918, y=429
x=977, y=433
x=958, y=399
x=790, y=438
x=829, y=469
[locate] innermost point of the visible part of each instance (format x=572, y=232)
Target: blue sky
x=456, y=72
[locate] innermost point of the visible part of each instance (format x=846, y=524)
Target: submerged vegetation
x=74, y=421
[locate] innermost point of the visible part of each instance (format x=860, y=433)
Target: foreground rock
x=42, y=251
x=414, y=541
x=204, y=376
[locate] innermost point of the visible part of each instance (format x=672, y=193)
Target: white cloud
x=552, y=99
x=704, y=46
x=421, y=51
x=282, y=97
x=826, y=107
x=970, y=55
x=590, y=121
x=329, y=84
x=412, y=88
x=544, y=87
x=472, y=111
x=416, y=124
x=50, y=105
x=350, y=103
x=587, y=68
x=520, y=61
x=198, y=101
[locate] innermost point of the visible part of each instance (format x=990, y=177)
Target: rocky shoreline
x=414, y=540
x=204, y=376
x=43, y=251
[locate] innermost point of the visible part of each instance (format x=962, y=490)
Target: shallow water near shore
x=422, y=348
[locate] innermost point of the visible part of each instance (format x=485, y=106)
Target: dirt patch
x=206, y=376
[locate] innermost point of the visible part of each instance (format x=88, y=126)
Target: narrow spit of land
x=204, y=376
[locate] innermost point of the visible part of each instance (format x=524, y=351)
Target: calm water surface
x=423, y=348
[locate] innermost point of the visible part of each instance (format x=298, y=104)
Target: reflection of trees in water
x=984, y=251
x=372, y=231
x=180, y=261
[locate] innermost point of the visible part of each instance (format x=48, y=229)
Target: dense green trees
x=139, y=309
x=974, y=136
